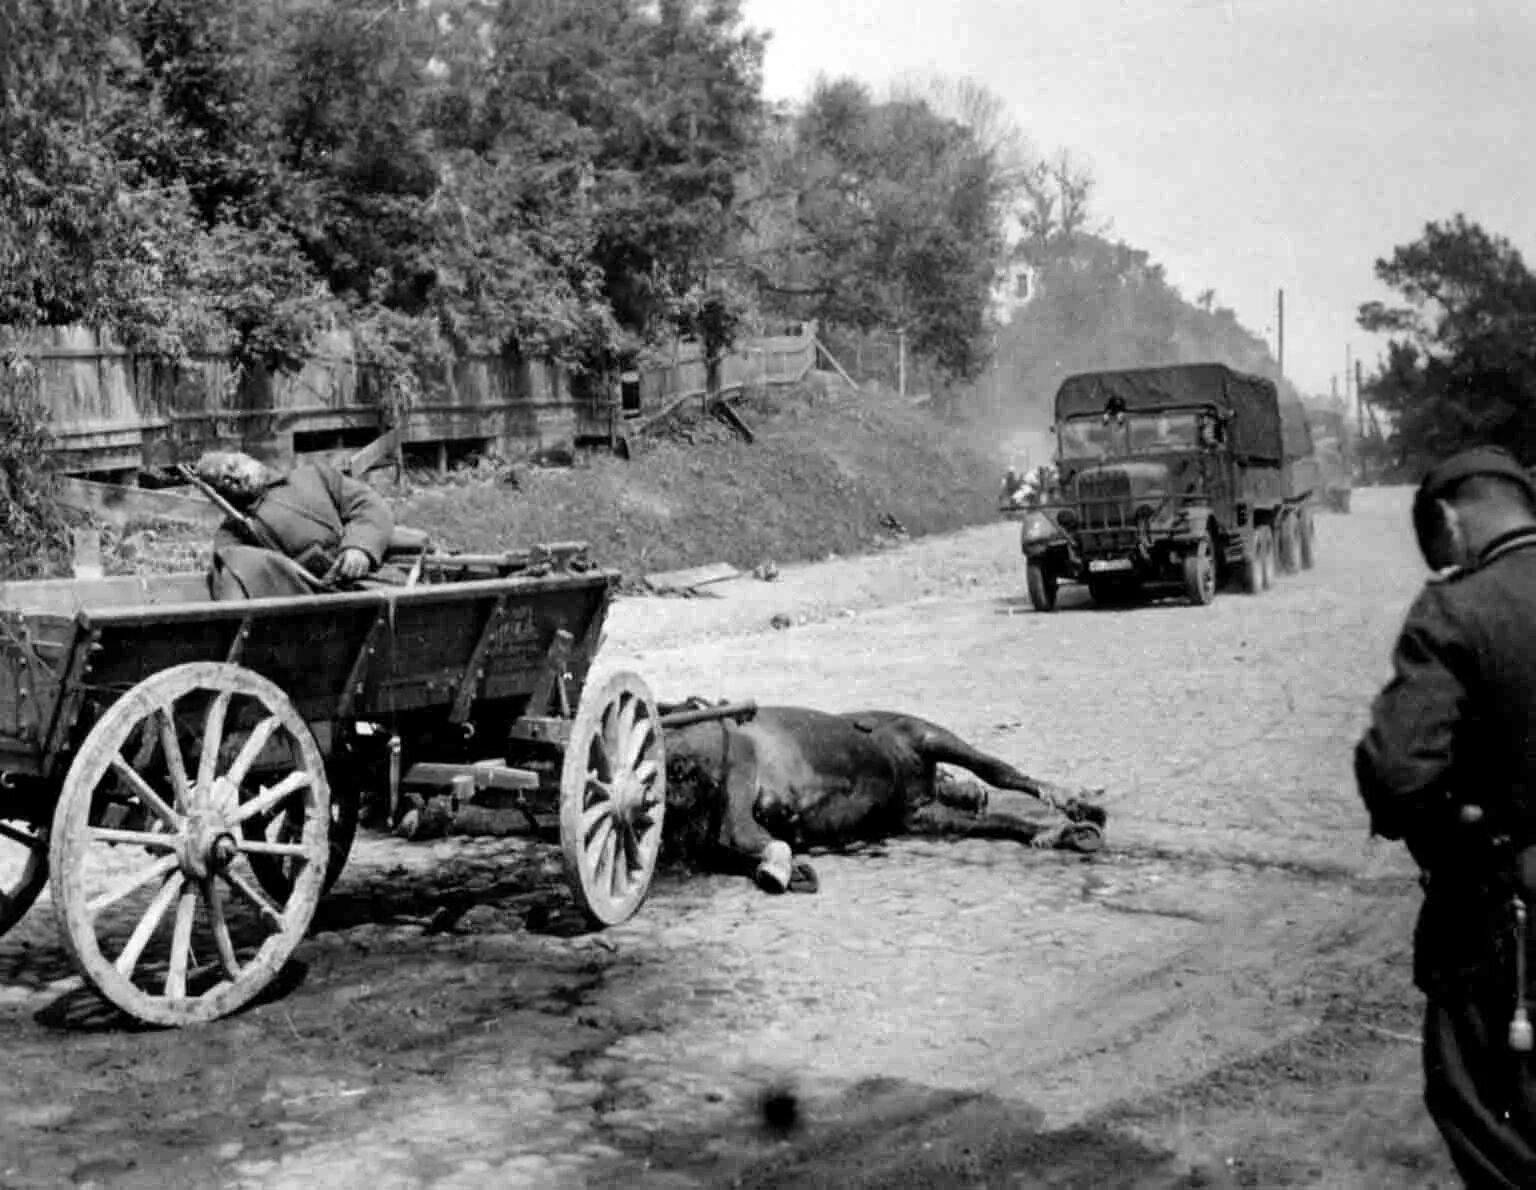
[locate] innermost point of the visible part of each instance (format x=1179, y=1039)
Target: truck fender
x=1198, y=518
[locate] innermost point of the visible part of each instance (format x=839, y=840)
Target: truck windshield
x=1091, y=438
x=1151, y=432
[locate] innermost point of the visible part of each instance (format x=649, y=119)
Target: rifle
x=312, y=560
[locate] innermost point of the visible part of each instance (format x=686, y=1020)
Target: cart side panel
x=309, y=647
x=365, y=653
x=436, y=639
x=34, y=657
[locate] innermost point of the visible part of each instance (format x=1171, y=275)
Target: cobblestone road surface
x=948, y=1013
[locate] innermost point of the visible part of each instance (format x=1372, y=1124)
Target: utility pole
x=1280, y=319
x=1360, y=401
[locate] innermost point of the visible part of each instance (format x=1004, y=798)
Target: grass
x=823, y=473
x=833, y=472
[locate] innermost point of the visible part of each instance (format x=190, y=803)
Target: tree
x=886, y=215
x=1461, y=361
x=1057, y=194
x=557, y=180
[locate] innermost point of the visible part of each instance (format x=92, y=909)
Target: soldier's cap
x=1478, y=460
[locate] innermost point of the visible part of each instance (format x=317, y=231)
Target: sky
x=1250, y=146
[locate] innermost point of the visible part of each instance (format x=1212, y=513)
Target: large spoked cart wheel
x=156, y=874
x=613, y=795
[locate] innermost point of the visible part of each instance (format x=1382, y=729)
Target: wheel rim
x=613, y=798
x=133, y=852
x=23, y=869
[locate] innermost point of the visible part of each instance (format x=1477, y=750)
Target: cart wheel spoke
x=213, y=740
x=159, y=870
x=645, y=775
x=270, y=799
x=151, y=840
x=213, y=896
x=629, y=707
x=640, y=735
x=633, y=862
x=133, y=950
x=618, y=867
x=263, y=903
x=181, y=942
x=594, y=814
x=260, y=737
x=146, y=793
x=286, y=850
x=599, y=839
x=175, y=759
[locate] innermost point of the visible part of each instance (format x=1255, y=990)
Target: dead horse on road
x=748, y=791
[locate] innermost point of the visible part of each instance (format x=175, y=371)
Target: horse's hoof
x=803, y=878
x=776, y=870
x=771, y=880
x=1081, y=811
x=1081, y=836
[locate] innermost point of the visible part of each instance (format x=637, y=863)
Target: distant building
x=1012, y=291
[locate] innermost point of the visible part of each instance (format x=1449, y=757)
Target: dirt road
x=1221, y=998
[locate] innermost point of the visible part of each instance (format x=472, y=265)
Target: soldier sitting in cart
x=294, y=534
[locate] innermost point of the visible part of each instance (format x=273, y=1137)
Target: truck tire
x=1308, y=541
x=1257, y=566
x=1200, y=574
x=1288, y=543
x=1042, y=586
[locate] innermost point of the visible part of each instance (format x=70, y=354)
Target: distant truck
x=1335, y=449
x=1180, y=477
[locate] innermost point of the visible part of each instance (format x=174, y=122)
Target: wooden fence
x=114, y=412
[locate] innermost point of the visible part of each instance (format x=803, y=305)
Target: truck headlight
x=1037, y=527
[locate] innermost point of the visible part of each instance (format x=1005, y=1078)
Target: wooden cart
x=188, y=774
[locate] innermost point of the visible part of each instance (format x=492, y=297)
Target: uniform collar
x=1505, y=543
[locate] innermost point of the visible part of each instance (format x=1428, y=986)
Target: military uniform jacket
x=1453, y=726
x=316, y=505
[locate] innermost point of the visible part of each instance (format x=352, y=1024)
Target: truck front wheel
x=1042, y=586
x=1200, y=574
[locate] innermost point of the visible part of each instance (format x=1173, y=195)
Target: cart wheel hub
x=628, y=797
x=223, y=851
x=206, y=847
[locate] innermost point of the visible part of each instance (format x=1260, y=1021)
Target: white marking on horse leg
x=775, y=867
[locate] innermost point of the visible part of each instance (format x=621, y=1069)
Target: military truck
x=1178, y=478
x=1335, y=449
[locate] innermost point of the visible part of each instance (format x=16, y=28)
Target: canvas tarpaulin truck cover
x=1263, y=427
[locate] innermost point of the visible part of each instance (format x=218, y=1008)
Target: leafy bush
x=34, y=534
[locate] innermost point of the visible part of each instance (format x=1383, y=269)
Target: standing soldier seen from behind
x=1448, y=765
